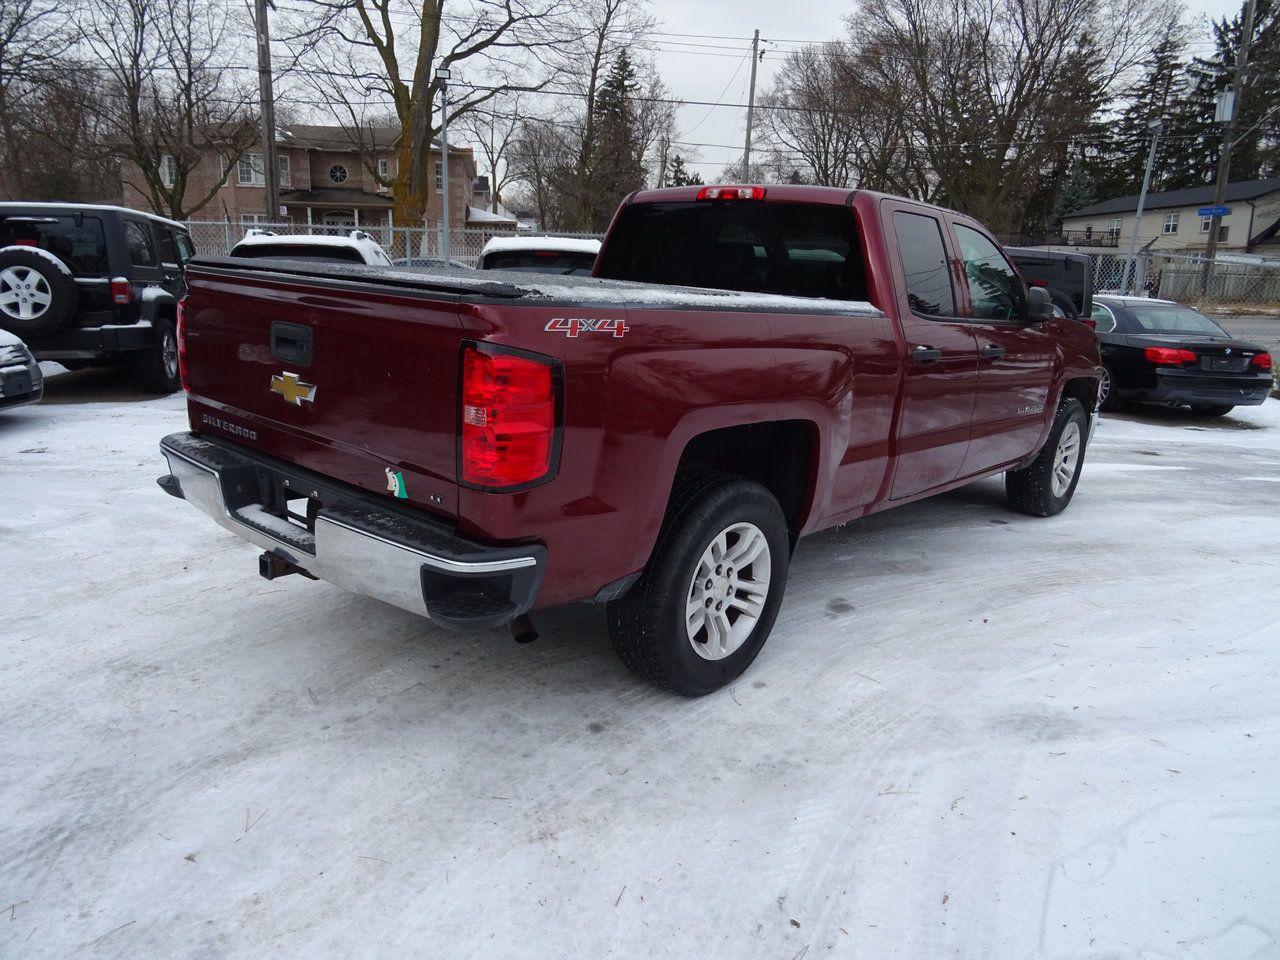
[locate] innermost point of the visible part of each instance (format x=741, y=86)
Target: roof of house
x=1190, y=197
x=481, y=215
x=338, y=196
x=313, y=136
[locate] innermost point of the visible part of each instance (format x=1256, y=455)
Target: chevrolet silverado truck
x=749, y=365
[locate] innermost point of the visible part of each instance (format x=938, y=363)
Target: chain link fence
x=1229, y=283
x=217, y=237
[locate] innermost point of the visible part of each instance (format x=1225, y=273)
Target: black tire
x=44, y=279
x=647, y=625
x=1212, y=409
x=157, y=366
x=1030, y=490
x=1063, y=303
x=1111, y=401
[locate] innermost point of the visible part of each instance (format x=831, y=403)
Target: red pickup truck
x=748, y=365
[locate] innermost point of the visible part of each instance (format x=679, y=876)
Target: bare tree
x=541, y=164
x=995, y=86
x=365, y=55
x=494, y=128
x=168, y=93
x=34, y=35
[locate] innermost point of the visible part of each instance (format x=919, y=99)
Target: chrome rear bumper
x=358, y=544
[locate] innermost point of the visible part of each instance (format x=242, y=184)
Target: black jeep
x=93, y=285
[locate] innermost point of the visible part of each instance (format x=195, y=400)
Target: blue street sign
x=1213, y=211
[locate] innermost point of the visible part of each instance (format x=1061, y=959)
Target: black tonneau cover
x=531, y=289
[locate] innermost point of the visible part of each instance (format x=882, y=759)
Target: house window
x=1205, y=224
x=439, y=175
x=1114, y=229
x=338, y=173
x=384, y=168
x=1170, y=223
x=168, y=170
x=249, y=171
x=254, y=219
x=1222, y=234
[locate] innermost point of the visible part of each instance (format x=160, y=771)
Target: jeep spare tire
x=37, y=293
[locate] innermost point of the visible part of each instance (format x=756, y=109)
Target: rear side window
x=138, y=241
x=1103, y=318
x=995, y=289
x=542, y=261
x=924, y=262
x=799, y=249
x=79, y=245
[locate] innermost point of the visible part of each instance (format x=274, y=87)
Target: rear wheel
x=1046, y=486
x=1108, y=398
x=157, y=366
x=1212, y=409
x=706, y=602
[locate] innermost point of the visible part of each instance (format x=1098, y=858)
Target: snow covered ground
x=973, y=734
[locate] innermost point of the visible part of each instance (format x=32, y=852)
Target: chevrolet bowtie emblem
x=293, y=389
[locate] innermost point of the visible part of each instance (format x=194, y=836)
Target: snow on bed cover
x=589, y=291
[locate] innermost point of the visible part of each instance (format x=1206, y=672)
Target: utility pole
x=267, y=107
x=1228, y=133
x=751, y=107
x=1131, y=270
x=446, y=240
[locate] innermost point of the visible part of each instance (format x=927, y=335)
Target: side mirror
x=1039, y=306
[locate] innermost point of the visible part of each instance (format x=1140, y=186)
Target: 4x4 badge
x=294, y=391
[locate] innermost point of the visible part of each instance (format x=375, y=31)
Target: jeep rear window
x=285, y=251
x=799, y=249
x=79, y=246
x=542, y=261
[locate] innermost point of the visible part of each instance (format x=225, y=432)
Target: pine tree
x=681, y=176
x=618, y=166
x=1150, y=99
x=1077, y=192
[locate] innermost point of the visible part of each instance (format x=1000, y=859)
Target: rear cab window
x=77, y=242
x=794, y=249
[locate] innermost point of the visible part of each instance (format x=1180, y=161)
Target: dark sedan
x=1158, y=351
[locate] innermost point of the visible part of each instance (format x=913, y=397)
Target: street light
x=1132, y=269
x=446, y=245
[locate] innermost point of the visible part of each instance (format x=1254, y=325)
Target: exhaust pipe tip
x=523, y=630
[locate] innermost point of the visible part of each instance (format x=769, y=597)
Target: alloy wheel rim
x=24, y=293
x=1066, y=458
x=169, y=354
x=728, y=591
x=1104, y=388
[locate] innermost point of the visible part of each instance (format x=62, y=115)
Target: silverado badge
x=294, y=391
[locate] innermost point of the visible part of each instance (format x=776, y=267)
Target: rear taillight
x=508, y=419
x=121, y=291
x=1169, y=356
x=1262, y=361
x=731, y=193
x=1089, y=322
x=180, y=331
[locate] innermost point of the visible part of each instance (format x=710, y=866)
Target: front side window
x=138, y=241
x=1170, y=223
x=1103, y=318
x=995, y=288
x=924, y=262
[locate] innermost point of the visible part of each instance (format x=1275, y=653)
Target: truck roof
x=531, y=289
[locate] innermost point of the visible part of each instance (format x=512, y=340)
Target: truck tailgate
x=361, y=388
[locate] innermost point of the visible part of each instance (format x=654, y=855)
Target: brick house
x=323, y=181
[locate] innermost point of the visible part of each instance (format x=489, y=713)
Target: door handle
x=924, y=354
x=291, y=343
x=992, y=352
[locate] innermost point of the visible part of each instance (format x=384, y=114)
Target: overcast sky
x=697, y=67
